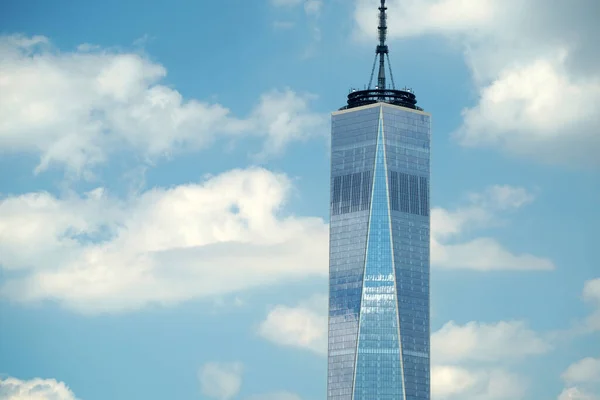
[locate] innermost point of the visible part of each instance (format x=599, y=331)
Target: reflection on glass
x=379, y=255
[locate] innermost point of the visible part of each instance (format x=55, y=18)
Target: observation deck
x=403, y=98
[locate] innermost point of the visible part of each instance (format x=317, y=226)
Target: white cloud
x=95, y=253
x=303, y=326
x=591, y=290
x=284, y=116
x=574, y=393
x=221, y=381
x=582, y=379
x=483, y=253
x=586, y=370
x=591, y=323
x=468, y=360
x=452, y=382
x=534, y=65
x=34, y=389
x=591, y=294
x=474, y=341
x=75, y=108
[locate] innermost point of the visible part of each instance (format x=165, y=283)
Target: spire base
x=402, y=98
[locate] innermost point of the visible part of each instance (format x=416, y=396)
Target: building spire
x=382, y=49
x=382, y=93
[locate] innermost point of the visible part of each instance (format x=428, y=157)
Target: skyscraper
x=379, y=341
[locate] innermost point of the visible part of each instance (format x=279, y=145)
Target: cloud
x=452, y=382
x=591, y=294
x=221, y=381
x=574, y=393
x=95, y=253
x=534, y=66
x=74, y=109
x=482, y=253
x=582, y=379
x=586, y=370
x=590, y=324
x=284, y=117
x=474, y=341
x=303, y=326
x=470, y=361
x=591, y=290
x=34, y=389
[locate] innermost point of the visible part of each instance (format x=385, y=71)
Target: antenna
x=381, y=93
x=382, y=48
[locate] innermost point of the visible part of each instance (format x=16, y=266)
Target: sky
x=164, y=188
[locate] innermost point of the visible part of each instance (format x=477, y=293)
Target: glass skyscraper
x=379, y=337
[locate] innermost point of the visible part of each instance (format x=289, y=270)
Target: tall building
x=379, y=336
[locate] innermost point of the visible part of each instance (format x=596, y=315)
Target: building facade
x=379, y=336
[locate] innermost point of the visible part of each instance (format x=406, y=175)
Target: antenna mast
x=382, y=94
x=382, y=49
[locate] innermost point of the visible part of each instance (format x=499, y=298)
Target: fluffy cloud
x=221, y=381
x=533, y=63
x=591, y=294
x=476, y=341
x=35, y=389
x=95, y=253
x=574, y=393
x=302, y=326
x=452, y=382
x=585, y=374
x=467, y=360
x=75, y=108
x=591, y=323
x=483, y=253
x=586, y=370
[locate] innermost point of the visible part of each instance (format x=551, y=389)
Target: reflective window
x=379, y=255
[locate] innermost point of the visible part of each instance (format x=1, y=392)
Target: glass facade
x=379, y=255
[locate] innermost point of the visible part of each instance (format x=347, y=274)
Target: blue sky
x=164, y=188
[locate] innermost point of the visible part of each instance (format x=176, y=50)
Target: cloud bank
x=75, y=109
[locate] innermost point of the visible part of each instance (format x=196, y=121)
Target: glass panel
x=353, y=152
x=378, y=368
x=354, y=144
